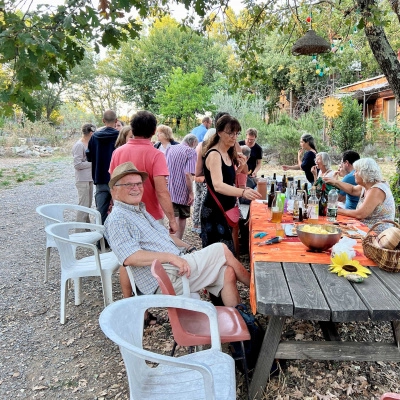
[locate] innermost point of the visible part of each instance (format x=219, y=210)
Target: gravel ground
x=40, y=358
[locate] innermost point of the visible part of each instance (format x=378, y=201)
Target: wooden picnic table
x=308, y=291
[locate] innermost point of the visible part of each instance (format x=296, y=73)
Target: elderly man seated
x=137, y=239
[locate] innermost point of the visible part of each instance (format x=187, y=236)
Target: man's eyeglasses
x=139, y=185
x=232, y=134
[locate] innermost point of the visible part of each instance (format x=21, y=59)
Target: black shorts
x=181, y=211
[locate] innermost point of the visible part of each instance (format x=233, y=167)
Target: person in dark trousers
x=100, y=148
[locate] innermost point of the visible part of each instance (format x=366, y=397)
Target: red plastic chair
x=191, y=328
x=390, y=396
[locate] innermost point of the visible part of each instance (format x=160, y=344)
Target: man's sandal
x=150, y=320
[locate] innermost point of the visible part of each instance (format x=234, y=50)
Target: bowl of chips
x=318, y=237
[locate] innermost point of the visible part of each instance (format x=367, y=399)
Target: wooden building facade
x=376, y=98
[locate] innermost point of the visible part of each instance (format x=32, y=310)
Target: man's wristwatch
x=190, y=249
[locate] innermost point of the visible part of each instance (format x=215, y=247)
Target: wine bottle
x=271, y=195
x=284, y=184
x=323, y=201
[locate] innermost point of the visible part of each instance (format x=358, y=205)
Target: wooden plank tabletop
x=310, y=291
x=380, y=301
x=343, y=300
x=308, y=300
x=273, y=296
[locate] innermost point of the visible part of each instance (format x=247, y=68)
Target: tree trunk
x=380, y=46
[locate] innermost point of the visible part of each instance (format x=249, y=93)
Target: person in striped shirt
x=181, y=161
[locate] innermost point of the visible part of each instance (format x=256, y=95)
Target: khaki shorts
x=181, y=211
x=207, y=270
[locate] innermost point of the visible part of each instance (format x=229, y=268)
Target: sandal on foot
x=150, y=320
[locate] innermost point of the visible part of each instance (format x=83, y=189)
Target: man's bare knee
x=230, y=275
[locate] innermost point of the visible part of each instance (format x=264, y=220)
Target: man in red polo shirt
x=140, y=151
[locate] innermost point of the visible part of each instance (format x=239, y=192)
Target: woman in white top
x=83, y=172
x=376, y=199
x=323, y=164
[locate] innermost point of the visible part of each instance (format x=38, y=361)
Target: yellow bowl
x=319, y=241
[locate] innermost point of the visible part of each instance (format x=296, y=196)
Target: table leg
x=396, y=332
x=266, y=357
x=329, y=331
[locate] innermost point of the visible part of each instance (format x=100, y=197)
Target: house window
x=390, y=109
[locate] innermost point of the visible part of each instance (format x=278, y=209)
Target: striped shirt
x=181, y=160
x=131, y=228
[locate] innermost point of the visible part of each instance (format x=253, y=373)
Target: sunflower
x=343, y=266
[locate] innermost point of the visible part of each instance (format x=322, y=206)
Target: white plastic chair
x=54, y=213
x=207, y=374
x=102, y=265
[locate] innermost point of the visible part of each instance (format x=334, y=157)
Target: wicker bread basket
x=388, y=260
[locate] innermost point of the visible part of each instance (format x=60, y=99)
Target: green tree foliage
x=146, y=63
x=47, y=100
x=96, y=85
x=348, y=129
x=341, y=22
x=184, y=95
x=40, y=46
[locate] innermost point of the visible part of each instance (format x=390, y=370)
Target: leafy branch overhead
x=41, y=46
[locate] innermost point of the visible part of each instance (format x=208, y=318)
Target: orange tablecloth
x=290, y=249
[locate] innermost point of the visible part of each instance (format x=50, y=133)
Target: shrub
x=284, y=141
x=284, y=135
x=348, y=129
x=248, y=110
x=395, y=187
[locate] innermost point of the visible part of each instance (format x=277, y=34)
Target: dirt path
x=40, y=358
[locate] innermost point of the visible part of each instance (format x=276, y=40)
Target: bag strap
x=216, y=199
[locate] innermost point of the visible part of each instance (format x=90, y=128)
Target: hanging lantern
x=309, y=44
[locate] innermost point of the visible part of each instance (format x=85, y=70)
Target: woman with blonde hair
x=124, y=135
x=165, y=138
